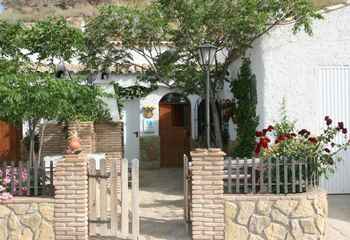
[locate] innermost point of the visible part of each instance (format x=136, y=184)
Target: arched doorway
x=174, y=129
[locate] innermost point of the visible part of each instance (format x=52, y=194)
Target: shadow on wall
x=150, y=152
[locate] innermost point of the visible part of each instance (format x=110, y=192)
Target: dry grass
x=33, y=10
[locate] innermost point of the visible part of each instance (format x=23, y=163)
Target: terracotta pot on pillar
x=73, y=141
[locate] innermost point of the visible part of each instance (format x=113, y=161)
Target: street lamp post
x=206, y=58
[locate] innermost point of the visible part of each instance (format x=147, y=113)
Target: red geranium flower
x=328, y=120
x=282, y=138
x=257, y=149
x=270, y=128
x=313, y=140
x=345, y=131
x=304, y=133
x=264, y=142
x=340, y=125
x=264, y=131
x=258, y=134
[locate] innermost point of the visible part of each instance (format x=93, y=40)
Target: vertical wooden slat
x=103, y=195
x=3, y=171
x=20, y=180
x=135, y=200
x=114, y=198
x=269, y=175
x=13, y=177
x=306, y=175
x=124, y=183
x=185, y=174
x=29, y=178
x=293, y=175
x=36, y=192
x=277, y=175
x=42, y=176
x=262, y=172
x=245, y=175
x=285, y=174
x=253, y=176
x=229, y=175
x=300, y=176
x=92, y=196
x=237, y=177
x=51, y=179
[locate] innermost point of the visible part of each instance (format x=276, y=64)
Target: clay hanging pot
x=73, y=144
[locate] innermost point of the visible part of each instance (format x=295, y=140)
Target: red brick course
x=207, y=194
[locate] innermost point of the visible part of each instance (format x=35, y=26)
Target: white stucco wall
x=151, y=99
x=287, y=65
x=154, y=98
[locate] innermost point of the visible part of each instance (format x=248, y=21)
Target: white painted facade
x=132, y=114
x=289, y=66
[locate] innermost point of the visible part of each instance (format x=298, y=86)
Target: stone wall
x=25, y=218
x=270, y=217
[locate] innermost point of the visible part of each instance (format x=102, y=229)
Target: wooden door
x=174, y=133
x=10, y=138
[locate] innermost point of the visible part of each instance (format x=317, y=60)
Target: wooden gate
x=187, y=191
x=110, y=194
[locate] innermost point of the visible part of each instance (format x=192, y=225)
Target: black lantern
x=207, y=54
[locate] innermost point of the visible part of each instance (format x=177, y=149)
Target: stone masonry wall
x=71, y=198
x=207, y=194
x=26, y=218
x=276, y=217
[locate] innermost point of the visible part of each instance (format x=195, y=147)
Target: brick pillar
x=71, y=198
x=86, y=133
x=208, y=194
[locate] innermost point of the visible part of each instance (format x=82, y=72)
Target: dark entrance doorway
x=174, y=129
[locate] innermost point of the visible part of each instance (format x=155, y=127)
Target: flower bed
x=321, y=152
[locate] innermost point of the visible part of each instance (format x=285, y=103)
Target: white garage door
x=335, y=102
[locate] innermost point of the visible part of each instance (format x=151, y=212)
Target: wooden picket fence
x=274, y=176
x=187, y=190
x=111, y=212
x=21, y=178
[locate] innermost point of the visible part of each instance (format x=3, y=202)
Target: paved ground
x=339, y=217
x=161, y=206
